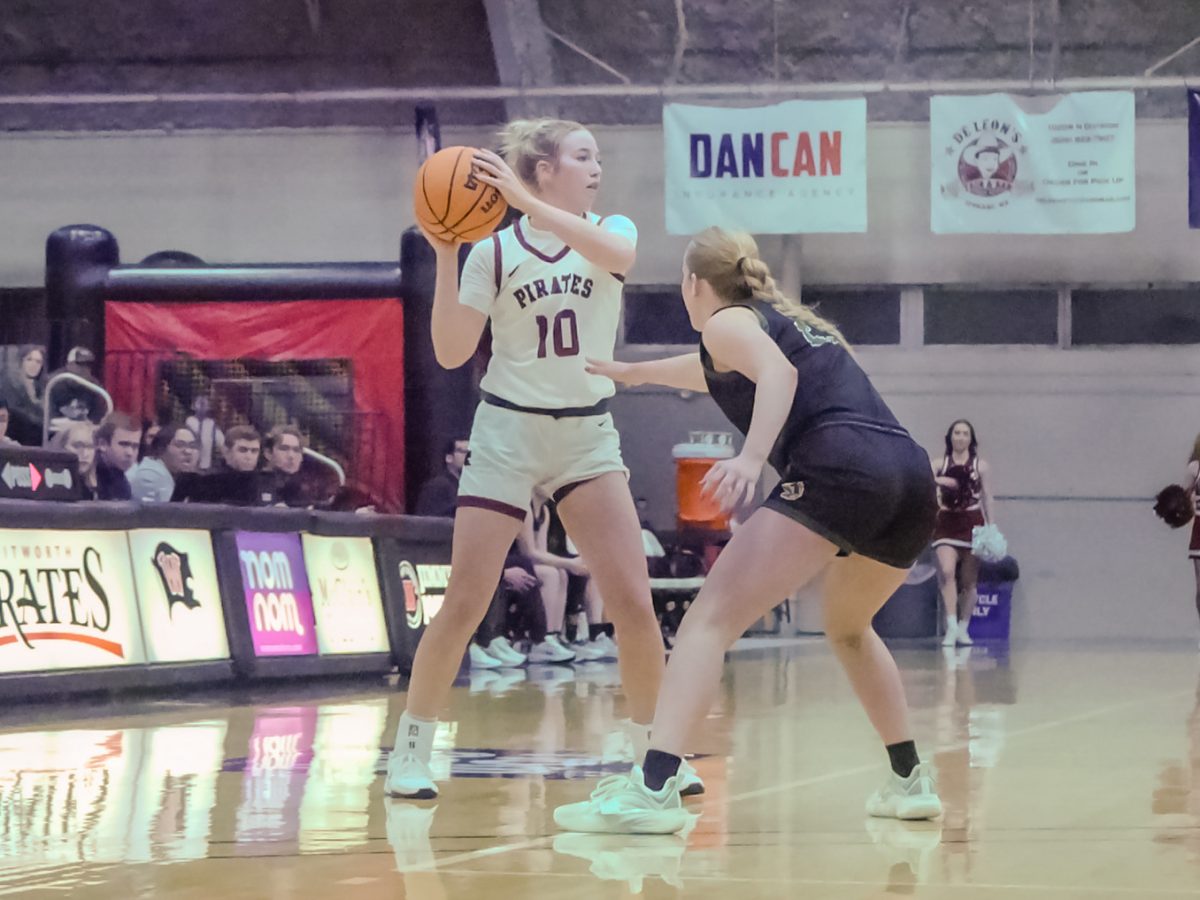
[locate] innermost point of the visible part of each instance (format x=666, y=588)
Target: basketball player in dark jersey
x=855, y=505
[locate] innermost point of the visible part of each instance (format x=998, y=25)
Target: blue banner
x=1193, y=158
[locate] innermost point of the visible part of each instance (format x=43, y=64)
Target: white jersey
x=550, y=309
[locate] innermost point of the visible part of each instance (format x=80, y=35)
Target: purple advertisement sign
x=278, y=599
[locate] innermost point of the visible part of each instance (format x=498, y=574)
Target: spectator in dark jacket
x=117, y=442
x=439, y=495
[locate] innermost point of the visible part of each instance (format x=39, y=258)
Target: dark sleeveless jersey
x=830, y=386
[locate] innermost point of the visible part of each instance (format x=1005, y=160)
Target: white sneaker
x=607, y=645
x=505, y=652
x=963, y=638
x=914, y=797
x=549, y=651
x=481, y=659
x=622, y=804
x=409, y=777
x=690, y=783
x=408, y=833
x=631, y=860
x=951, y=634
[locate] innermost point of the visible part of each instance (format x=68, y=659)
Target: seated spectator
x=117, y=442
x=236, y=483
x=173, y=451
x=22, y=390
x=5, y=440
x=439, y=495
x=243, y=446
x=283, y=451
x=80, y=438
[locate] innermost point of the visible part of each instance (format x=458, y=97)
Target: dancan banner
x=790, y=168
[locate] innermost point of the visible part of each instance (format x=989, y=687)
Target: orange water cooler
x=699, y=515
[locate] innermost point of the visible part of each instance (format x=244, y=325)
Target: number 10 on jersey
x=565, y=332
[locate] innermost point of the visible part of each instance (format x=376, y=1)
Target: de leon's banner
x=66, y=601
x=1061, y=164
x=176, y=576
x=790, y=168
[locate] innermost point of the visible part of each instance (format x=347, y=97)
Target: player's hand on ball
x=490, y=168
x=731, y=482
x=625, y=373
x=440, y=245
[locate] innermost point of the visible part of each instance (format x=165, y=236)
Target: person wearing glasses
x=175, y=450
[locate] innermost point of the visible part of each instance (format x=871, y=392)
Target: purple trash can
x=993, y=614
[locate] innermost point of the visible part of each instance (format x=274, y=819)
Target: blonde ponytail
x=526, y=142
x=729, y=261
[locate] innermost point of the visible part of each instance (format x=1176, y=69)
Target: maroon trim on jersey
x=496, y=258
x=492, y=505
x=566, y=489
x=620, y=278
x=536, y=252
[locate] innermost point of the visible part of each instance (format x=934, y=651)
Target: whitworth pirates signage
x=176, y=576
x=1060, y=164
x=345, y=591
x=799, y=166
x=67, y=601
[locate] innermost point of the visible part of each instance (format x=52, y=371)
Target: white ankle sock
x=415, y=736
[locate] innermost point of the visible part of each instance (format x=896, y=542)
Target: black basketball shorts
x=867, y=488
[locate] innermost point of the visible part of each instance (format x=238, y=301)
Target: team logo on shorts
x=791, y=490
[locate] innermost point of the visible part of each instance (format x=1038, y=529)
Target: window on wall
x=1135, y=316
x=866, y=316
x=655, y=314
x=965, y=316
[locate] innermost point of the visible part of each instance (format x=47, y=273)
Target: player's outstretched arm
x=682, y=372
x=455, y=328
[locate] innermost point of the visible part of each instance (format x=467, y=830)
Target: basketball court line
x=534, y=843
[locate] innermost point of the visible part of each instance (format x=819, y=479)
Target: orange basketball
x=451, y=202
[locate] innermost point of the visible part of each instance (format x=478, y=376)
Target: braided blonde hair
x=729, y=261
x=526, y=142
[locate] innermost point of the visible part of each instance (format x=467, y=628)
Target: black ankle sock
x=904, y=757
x=594, y=631
x=658, y=767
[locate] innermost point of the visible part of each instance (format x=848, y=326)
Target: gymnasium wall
x=1108, y=426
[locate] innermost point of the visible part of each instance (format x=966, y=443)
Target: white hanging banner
x=1060, y=164
x=791, y=168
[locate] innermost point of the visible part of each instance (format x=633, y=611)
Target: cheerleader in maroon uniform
x=964, y=502
x=1191, y=484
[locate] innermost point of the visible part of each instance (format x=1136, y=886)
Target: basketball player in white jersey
x=551, y=286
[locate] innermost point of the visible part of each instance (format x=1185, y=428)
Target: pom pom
x=1174, y=505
